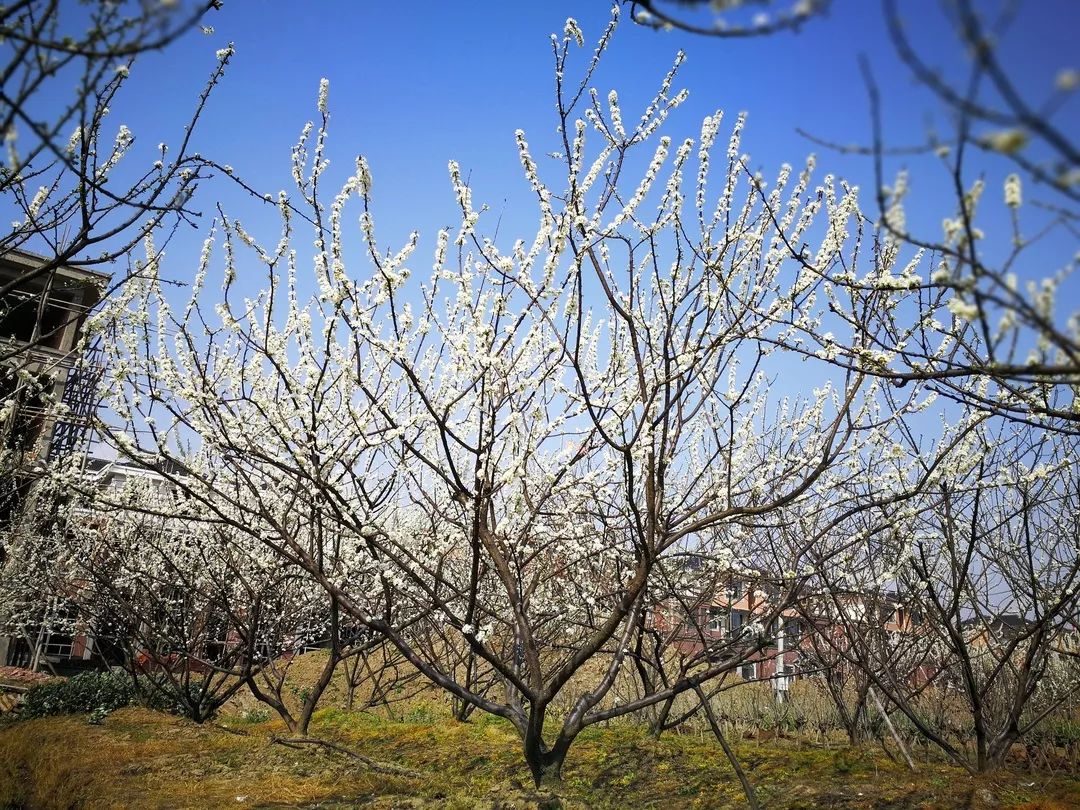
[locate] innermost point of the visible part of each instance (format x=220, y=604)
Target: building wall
x=40, y=321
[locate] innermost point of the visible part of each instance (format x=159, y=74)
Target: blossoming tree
x=980, y=579
x=77, y=194
x=513, y=449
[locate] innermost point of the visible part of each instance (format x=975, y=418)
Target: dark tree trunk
x=658, y=725
x=545, y=763
x=714, y=724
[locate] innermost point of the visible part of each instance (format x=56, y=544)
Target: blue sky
x=415, y=84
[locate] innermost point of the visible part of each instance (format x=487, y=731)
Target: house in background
x=41, y=317
x=737, y=603
x=746, y=602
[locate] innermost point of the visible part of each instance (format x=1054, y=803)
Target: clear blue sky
x=416, y=83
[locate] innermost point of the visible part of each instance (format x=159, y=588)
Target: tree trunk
x=656, y=728
x=546, y=766
x=892, y=729
x=998, y=750
x=545, y=763
x=311, y=702
x=980, y=748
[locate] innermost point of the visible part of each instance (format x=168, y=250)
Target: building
x=46, y=393
x=788, y=639
x=41, y=316
x=738, y=603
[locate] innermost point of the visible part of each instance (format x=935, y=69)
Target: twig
x=235, y=731
x=748, y=788
x=380, y=767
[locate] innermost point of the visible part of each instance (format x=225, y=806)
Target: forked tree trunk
x=545, y=763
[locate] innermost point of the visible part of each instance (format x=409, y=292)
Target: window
x=58, y=645
x=738, y=619
x=716, y=619
x=58, y=640
x=216, y=634
x=18, y=314
x=24, y=319
x=690, y=618
x=58, y=313
x=748, y=672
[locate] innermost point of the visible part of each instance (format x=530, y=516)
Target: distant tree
x=981, y=584
x=151, y=587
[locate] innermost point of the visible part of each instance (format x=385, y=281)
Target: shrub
x=98, y=692
x=255, y=716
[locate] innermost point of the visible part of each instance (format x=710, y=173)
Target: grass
x=140, y=758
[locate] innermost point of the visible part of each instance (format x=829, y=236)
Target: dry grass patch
x=140, y=758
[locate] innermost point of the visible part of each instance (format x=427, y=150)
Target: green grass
x=140, y=758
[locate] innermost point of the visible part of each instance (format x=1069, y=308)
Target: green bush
x=255, y=716
x=98, y=692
